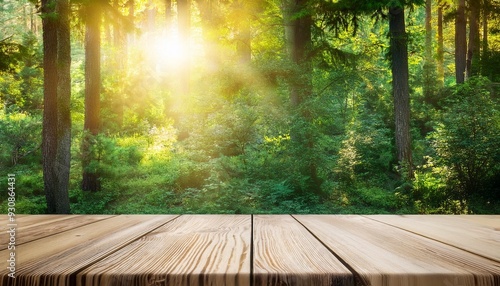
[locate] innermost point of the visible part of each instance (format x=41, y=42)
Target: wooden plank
x=285, y=253
x=52, y=260
x=386, y=255
x=192, y=250
x=38, y=226
x=477, y=234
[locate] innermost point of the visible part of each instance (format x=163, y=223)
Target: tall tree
x=400, y=85
x=474, y=41
x=399, y=67
x=298, y=32
x=440, y=43
x=56, y=137
x=49, y=132
x=429, y=65
x=91, y=180
x=460, y=42
x=184, y=29
x=63, y=105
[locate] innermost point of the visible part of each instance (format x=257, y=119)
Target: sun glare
x=166, y=51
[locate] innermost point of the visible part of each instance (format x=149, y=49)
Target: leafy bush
x=20, y=136
x=467, y=140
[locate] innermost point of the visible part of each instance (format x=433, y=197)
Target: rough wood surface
x=266, y=250
x=285, y=253
x=52, y=260
x=386, y=255
x=29, y=228
x=191, y=250
x=477, y=234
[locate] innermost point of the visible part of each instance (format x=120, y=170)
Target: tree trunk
x=429, y=66
x=56, y=138
x=400, y=86
x=168, y=13
x=485, y=52
x=63, y=160
x=440, y=45
x=473, y=45
x=49, y=131
x=91, y=181
x=298, y=24
x=460, y=42
x=184, y=28
x=244, y=41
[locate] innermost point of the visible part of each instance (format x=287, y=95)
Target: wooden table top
x=251, y=250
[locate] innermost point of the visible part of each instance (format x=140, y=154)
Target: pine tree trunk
x=460, y=42
x=473, y=45
x=184, y=28
x=91, y=180
x=485, y=52
x=429, y=66
x=400, y=86
x=49, y=131
x=440, y=45
x=63, y=160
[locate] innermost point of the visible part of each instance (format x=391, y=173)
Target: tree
x=91, y=180
x=56, y=120
x=400, y=86
x=460, y=42
x=298, y=27
x=440, y=43
x=63, y=103
x=429, y=68
x=474, y=42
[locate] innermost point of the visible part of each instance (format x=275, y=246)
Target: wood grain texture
x=29, y=228
x=53, y=260
x=386, y=255
x=192, y=250
x=477, y=234
x=285, y=253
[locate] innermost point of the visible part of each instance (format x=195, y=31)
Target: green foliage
x=20, y=136
x=233, y=142
x=467, y=140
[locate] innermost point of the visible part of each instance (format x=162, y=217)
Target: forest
x=262, y=106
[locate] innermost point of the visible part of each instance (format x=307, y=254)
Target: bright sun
x=166, y=50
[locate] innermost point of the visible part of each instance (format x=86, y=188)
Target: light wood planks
x=477, y=234
x=386, y=255
x=285, y=253
x=29, y=228
x=52, y=260
x=192, y=250
x=268, y=250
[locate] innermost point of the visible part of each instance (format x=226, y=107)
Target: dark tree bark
x=91, y=180
x=400, y=86
x=474, y=42
x=440, y=45
x=460, y=42
x=49, y=131
x=484, y=44
x=56, y=138
x=63, y=162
